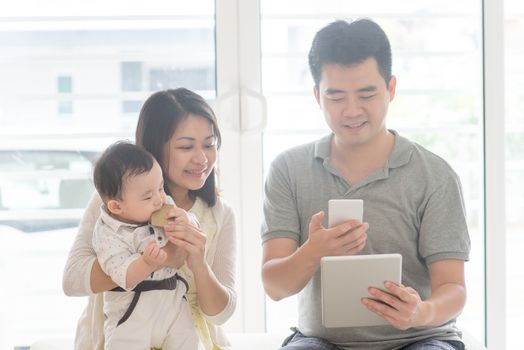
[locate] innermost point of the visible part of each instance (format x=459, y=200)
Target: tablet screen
x=345, y=281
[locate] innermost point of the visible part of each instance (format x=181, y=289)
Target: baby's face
x=142, y=195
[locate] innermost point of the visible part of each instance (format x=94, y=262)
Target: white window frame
x=240, y=109
x=494, y=174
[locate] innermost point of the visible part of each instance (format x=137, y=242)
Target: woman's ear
x=114, y=206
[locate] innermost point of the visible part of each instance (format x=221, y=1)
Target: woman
x=179, y=128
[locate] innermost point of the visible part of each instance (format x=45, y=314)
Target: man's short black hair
x=346, y=43
x=118, y=162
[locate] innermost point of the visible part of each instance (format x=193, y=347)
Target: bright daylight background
x=74, y=74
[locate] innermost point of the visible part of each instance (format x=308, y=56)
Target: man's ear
x=114, y=206
x=317, y=94
x=392, y=87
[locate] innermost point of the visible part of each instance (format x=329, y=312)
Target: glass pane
x=514, y=54
x=74, y=76
x=428, y=104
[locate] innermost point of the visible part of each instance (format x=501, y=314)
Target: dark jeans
x=297, y=341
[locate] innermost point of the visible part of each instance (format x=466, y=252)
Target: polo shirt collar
x=112, y=222
x=323, y=146
x=402, y=151
x=401, y=154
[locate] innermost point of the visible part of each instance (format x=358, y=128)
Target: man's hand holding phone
x=342, y=210
x=347, y=235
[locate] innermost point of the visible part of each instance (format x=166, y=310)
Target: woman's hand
x=182, y=232
x=176, y=256
x=190, y=239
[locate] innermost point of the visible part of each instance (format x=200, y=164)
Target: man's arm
x=448, y=295
x=286, y=269
x=404, y=307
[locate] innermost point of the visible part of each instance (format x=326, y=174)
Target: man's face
x=354, y=100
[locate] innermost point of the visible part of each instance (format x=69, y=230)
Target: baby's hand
x=153, y=255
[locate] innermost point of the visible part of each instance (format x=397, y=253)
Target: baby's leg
x=182, y=333
x=134, y=333
x=129, y=336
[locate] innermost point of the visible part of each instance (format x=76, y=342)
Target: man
x=412, y=198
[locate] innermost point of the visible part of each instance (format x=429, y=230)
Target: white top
x=117, y=244
x=220, y=255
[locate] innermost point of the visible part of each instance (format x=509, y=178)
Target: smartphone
x=341, y=210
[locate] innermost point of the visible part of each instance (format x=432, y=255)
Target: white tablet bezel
x=345, y=281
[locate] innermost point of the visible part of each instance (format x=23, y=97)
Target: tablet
x=345, y=280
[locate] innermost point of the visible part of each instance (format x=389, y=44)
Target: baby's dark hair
x=118, y=162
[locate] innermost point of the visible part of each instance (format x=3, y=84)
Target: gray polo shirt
x=413, y=205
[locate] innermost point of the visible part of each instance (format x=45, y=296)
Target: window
x=132, y=79
x=131, y=107
x=65, y=84
x=73, y=79
x=202, y=78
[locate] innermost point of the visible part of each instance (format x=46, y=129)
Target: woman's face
x=190, y=154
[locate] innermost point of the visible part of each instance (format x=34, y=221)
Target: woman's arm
x=99, y=281
x=212, y=296
x=214, y=283
x=223, y=267
x=82, y=273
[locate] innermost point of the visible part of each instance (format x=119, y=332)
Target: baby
x=148, y=309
